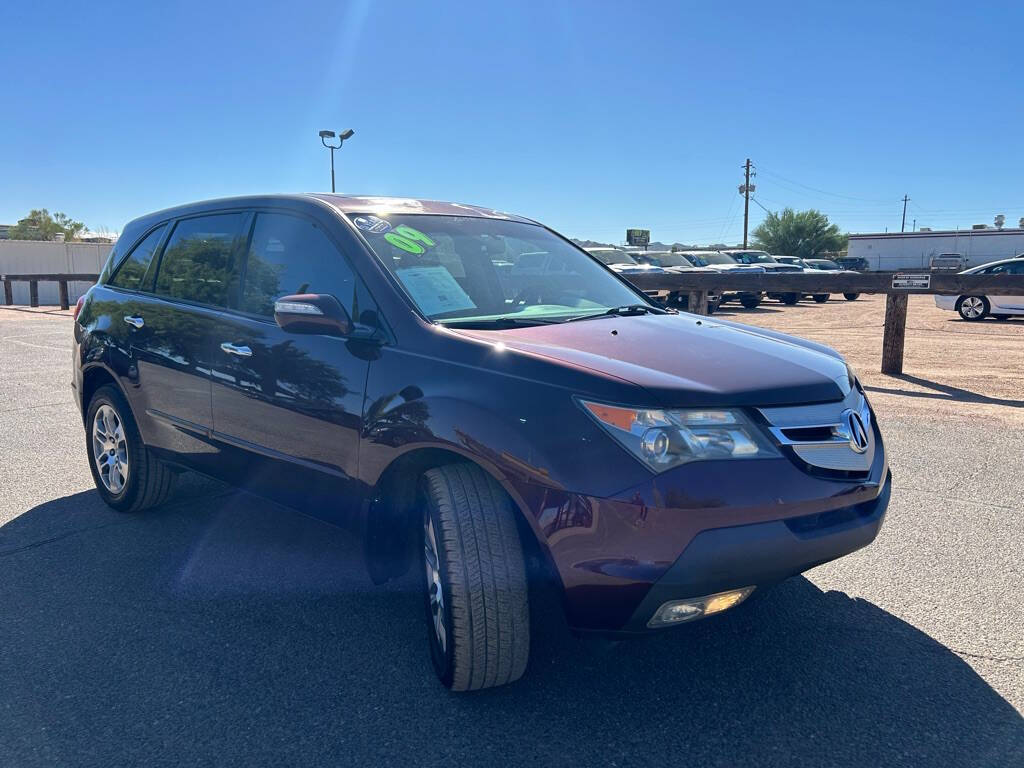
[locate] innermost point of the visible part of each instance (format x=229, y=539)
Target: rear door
x=292, y=403
x=170, y=326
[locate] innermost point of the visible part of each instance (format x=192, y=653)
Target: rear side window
x=132, y=272
x=290, y=254
x=198, y=259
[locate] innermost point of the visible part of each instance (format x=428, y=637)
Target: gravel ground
x=224, y=630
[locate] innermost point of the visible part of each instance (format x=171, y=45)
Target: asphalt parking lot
x=225, y=630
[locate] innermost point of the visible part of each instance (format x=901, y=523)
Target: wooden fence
x=33, y=281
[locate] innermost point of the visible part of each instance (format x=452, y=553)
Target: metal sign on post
x=638, y=237
x=900, y=280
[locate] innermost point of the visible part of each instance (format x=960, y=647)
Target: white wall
x=18, y=257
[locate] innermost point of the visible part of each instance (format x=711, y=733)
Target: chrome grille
x=836, y=436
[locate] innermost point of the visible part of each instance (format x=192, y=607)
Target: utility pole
x=745, y=189
x=903, y=226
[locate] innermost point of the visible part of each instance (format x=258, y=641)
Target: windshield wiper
x=624, y=310
x=495, y=322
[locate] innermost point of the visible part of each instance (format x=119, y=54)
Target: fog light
x=677, y=611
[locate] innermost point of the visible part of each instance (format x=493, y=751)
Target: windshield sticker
x=434, y=290
x=409, y=239
x=373, y=224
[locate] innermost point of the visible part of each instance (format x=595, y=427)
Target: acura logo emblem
x=854, y=429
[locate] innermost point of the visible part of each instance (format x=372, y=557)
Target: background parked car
x=827, y=265
x=796, y=261
x=854, y=263
x=676, y=263
x=979, y=307
x=770, y=265
x=619, y=261
x=947, y=262
x=721, y=262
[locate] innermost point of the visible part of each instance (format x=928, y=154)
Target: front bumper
x=762, y=554
x=700, y=529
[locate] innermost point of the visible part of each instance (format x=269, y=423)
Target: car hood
x=683, y=360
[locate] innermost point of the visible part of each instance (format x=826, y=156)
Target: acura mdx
x=471, y=393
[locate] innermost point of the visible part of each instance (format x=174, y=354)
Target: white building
x=914, y=250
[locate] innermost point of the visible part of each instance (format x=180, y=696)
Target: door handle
x=134, y=321
x=236, y=349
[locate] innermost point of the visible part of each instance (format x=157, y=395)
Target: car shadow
x=943, y=392
x=222, y=629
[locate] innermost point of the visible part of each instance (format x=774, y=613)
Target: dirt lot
x=952, y=369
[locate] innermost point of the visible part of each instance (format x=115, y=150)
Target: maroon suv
x=462, y=386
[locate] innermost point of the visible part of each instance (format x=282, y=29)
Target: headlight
x=663, y=439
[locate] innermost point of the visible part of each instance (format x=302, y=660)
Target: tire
x=712, y=307
x=973, y=308
x=145, y=480
x=851, y=296
x=468, y=527
x=820, y=298
x=750, y=302
x=789, y=299
x=1001, y=317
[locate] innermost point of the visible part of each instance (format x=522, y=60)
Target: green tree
x=40, y=225
x=806, y=234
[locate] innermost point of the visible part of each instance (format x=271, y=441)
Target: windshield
x=666, y=259
x=753, y=257
x=718, y=258
x=612, y=256
x=457, y=268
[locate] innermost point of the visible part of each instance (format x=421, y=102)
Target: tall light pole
x=325, y=135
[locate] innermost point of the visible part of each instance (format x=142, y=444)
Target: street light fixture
x=325, y=135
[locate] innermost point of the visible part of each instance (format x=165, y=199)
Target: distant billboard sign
x=638, y=236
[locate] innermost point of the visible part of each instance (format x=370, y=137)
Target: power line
x=823, y=191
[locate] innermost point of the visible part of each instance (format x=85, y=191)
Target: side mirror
x=312, y=313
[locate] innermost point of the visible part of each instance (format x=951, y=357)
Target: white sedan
x=980, y=307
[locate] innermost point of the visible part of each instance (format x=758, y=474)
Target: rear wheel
x=851, y=296
x=790, y=299
x=128, y=476
x=750, y=302
x=973, y=307
x=820, y=298
x=474, y=579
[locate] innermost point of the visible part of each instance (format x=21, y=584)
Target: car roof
x=344, y=204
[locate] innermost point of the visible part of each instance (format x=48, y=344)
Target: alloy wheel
x=110, y=449
x=972, y=307
x=435, y=588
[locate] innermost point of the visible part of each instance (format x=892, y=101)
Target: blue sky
x=589, y=116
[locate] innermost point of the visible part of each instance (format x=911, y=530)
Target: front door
x=292, y=402
x=1007, y=303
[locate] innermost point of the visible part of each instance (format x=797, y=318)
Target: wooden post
x=697, y=302
x=33, y=293
x=63, y=286
x=8, y=292
x=895, y=333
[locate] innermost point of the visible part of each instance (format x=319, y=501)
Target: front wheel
x=750, y=302
x=851, y=296
x=820, y=298
x=789, y=299
x=973, y=307
x=128, y=476
x=475, y=589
